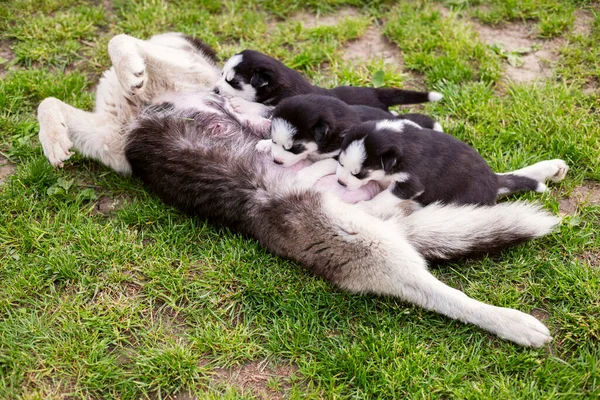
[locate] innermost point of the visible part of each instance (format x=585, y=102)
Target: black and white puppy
x=313, y=126
x=421, y=165
x=256, y=77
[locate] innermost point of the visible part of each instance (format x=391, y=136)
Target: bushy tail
x=444, y=232
x=509, y=184
x=392, y=96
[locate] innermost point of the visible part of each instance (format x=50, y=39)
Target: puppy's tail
x=510, y=183
x=392, y=96
x=445, y=232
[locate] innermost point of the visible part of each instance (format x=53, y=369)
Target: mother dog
x=157, y=117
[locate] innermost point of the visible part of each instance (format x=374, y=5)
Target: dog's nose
x=216, y=90
x=341, y=183
x=276, y=161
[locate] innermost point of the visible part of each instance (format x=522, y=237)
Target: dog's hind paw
x=54, y=134
x=131, y=71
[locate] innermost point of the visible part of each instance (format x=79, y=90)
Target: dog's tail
x=392, y=96
x=444, y=232
x=510, y=183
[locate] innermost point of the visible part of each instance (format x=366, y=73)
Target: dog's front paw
x=131, y=71
x=521, y=328
x=54, y=134
x=264, y=146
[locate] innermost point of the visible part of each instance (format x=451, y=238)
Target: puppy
x=313, y=126
x=423, y=165
x=256, y=77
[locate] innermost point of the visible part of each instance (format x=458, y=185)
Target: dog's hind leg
x=95, y=135
x=392, y=266
x=363, y=254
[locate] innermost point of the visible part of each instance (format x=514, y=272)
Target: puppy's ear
x=261, y=78
x=320, y=131
x=389, y=159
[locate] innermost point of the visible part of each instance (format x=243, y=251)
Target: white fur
x=242, y=106
x=435, y=96
x=350, y=164
x=438, y=127
x=307, y=177
x=225, y=89
x=395, y=124
x=141, y=71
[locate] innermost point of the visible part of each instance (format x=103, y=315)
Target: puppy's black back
x=283, y=82
x=450, y=170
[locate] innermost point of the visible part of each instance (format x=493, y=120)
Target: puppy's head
x=250, y=75
x=367, y=154
x=300, y=128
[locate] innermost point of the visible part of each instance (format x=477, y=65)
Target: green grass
x=145, y=302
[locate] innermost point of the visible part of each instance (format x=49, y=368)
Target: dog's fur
x=256, y=77
x=201, y=158
x=312, y=126
x=422, y=165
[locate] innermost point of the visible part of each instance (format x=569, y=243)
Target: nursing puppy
x=256, y=77
x=423, y=165
x=312, y=127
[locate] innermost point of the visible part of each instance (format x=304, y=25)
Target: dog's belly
x=329, y=183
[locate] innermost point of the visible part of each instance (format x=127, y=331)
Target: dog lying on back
x=198, y=155
x=423, y=165
x=256, y=77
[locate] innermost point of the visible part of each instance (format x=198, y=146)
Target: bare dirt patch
x=540, y=314
x=514, y=37
x=106, y=205
x=586, y=194
x=6, y=57
x=254, y=377
x=310, y=21
x=591, y=258
x=6, y=169
x=371, y=45
x=583, y=23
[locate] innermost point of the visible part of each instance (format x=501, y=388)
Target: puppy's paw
x=242, y=106
x=131, y=71
x=521, y=328
x=54, y=134
x=264, y=146
x=557, y=170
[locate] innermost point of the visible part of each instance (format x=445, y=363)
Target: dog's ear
x=261, y=78
x=320, y=131
x=389, y=159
